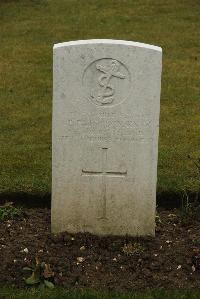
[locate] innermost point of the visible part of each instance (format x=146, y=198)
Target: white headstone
x=106, y=102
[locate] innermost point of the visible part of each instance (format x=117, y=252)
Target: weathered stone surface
x=106, y=104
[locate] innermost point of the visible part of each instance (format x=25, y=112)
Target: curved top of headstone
x=107, y=41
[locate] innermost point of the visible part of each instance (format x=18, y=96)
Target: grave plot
x=171, y=259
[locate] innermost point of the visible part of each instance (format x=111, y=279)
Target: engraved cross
x=104, y=173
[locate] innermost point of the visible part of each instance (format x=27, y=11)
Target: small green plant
x=158, y=219
x=8, y=211
x=41, y=274
x=132, y=248
x=186, y=208
x=190, y=208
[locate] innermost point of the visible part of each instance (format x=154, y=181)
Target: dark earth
x=170, y=260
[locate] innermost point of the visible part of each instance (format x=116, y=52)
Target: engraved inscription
x=104, y=128
x=103, y=173
x=106, y=82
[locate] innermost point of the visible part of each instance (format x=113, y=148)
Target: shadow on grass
x=165, y=199
x=27, y=200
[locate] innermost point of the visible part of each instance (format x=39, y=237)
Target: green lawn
x=67, y=294
x=28, y=30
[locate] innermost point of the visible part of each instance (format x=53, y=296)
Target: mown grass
x=28, y=30
x=67, y=294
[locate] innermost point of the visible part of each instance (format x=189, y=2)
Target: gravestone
x=106, y=101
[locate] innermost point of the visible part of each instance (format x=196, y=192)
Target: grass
x=28, y=30
x=67, y=294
